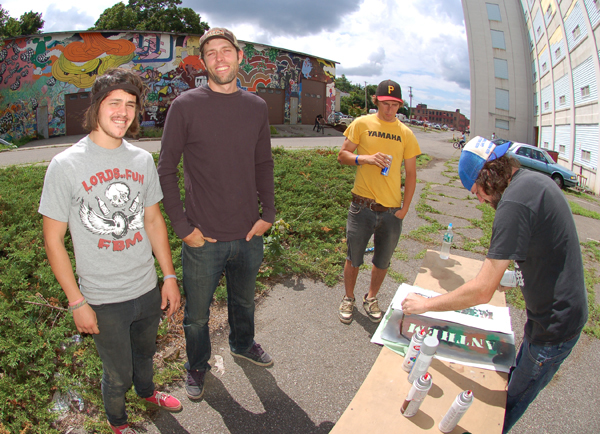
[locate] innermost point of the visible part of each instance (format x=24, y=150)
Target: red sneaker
x=168, y=402
x=123, y=429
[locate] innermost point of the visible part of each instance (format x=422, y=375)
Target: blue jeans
x=361, y=224
x=536, y=365
x=202, y=270
x=126, y=344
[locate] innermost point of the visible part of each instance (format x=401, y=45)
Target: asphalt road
x=320, y=363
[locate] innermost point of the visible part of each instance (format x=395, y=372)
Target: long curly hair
x=110, y=78
x=495, y=176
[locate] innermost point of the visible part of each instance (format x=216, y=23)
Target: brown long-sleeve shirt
x=226, y=146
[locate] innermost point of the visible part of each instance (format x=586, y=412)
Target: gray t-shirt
x=101, y=194
x=535, y=228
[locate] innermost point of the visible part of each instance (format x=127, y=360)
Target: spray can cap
x=450, y=226
x=429, y=346
x=466, y=397
x=421, y=335
x=424, y=381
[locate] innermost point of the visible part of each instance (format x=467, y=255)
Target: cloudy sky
x=418, y=43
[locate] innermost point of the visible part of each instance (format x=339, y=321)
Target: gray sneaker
x=194, y=385
x=256, y=355
x=372, y=308
x=346, y=310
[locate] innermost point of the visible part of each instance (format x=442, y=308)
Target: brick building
x=454, y=120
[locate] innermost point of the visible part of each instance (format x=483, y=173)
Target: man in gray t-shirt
x=106, y=192
x=534, y=227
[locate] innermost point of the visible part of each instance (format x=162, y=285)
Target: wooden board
x=376, y=406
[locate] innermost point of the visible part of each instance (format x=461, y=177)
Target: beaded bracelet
x=77, y=306
x=170, y=276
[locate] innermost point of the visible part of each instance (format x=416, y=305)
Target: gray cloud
x=373, y=67
x=445, y=9
x=277, y=17
x=56, y=20
x=452, y=58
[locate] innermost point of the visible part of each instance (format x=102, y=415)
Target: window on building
x=544, y=66
x=502, y=99
x=557, y=53
x=585, y=91
x=549, y=11
x=546, y=144
x=502, y=124
x=498, y=39
x=538, y=31
x=597, y=2
x=562, y=149
x=562, y=100
x=576, y=32
x=501, y=68
x=536, y=109
x=586, y=155
x=546, y=105
x=534, y=76
x=493, y=11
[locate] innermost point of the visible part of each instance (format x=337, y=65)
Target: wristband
x=76, y=301
x=356, y=161
x=77, y=306
x=170, y=276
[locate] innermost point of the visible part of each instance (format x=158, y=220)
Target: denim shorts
x=362, y=224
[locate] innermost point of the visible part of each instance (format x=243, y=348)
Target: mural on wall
x=38, y=71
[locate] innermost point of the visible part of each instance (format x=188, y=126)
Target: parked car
x=346, y=120
x=539, y=160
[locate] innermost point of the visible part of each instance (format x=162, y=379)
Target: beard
x=225, y=80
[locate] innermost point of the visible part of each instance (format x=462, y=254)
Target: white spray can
x=428, y=349
x=413, y=349
x=459, y=407
x=416, y=395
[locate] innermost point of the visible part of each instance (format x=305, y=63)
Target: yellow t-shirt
x=373, y=135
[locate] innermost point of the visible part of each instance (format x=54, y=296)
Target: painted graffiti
x=40, y=70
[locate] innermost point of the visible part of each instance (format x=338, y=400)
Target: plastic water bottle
x=416, y=395
x=459, y=407
x=413, y=349
x=428, y=349
x=509, y=279
x=447, y=242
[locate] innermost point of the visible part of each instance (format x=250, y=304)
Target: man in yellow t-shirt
x=381, y=141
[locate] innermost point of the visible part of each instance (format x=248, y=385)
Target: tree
x=343, y=84
x=151, y=15
x=30, y=23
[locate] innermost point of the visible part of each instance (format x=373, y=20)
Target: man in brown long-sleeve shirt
x=223, y=134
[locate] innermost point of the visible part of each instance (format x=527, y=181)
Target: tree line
x=354, y=104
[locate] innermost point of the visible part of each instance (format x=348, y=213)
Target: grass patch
x=577, y=209
x=151, y=132
x=274, y=131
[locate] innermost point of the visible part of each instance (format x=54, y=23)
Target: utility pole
x=366, y=105
x=410, y=103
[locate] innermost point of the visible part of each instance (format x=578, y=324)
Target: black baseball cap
x=219, y=32
x=389, y=90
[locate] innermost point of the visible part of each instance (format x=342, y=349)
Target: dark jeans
x=126, y=344
x=202, y=270
x=536, y=365
x=362, y=223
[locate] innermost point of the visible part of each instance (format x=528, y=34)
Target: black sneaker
x=194, y=385
x=256, y=355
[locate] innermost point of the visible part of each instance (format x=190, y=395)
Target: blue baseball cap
x=474, y=155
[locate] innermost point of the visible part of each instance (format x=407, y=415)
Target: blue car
x=539, y=160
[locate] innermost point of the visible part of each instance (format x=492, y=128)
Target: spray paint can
x=386, y=170
x=416, y=395
x=459, y=407
x=428, y=349
x=413, y=349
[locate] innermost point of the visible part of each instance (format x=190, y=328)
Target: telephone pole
x=410, y=103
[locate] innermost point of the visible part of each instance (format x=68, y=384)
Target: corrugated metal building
x=564, y=113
